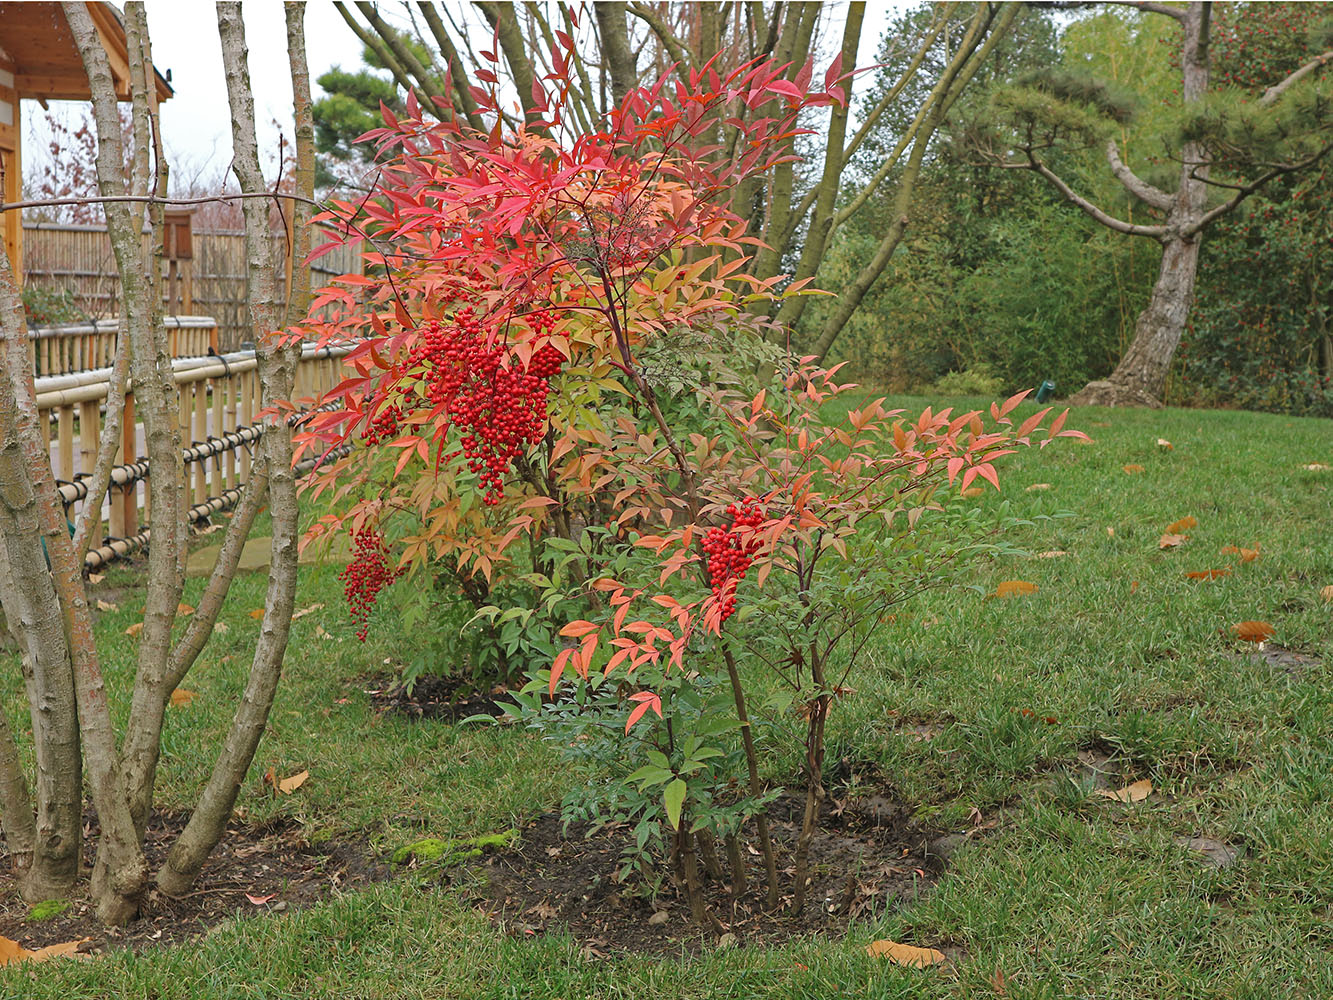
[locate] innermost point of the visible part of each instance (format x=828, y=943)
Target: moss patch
x=47, y=909
x=453, y=852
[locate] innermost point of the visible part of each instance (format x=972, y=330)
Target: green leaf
x=674, y=800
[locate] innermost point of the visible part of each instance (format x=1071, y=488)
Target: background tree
x=1222, y=142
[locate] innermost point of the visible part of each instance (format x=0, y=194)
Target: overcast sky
x=196, y=122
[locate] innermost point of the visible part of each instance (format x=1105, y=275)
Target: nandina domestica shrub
x=561, y=391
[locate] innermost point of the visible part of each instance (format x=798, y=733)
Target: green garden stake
x=1044, y=391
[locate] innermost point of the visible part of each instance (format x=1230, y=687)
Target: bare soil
x=445, y=699
x=868, y=857
x=273, y=863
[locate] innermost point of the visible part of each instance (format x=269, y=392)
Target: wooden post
x=128, y=499
x=90, y=418
x=201, y=434
x=11, y=165
x=65, y=442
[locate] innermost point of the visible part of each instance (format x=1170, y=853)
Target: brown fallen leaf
x=1136, y=792
x=106, y=605
x=134, y=629
x=261, y=900
x=184, y=609
x=904, y=954
x=660, y=917
x=221, y=628
x=1110, y=532
x=181, y=697
x=1053, y=554
x=973, y=491
x=1253, y=631
x=322, y=633
x=1132, y=469
x=1170, y=541
x=1038, y=486
x=306, y=611
x=1133, y=586
x=1327, y=594
x=1246, y=555
x=1014, y=588
x=1207, y=574
x=1165, y=445
x=1316, y=467
x=1184, y=524
x=257, y=613
x=289, y=785
x=96, y=577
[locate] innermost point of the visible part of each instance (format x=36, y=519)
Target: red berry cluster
x=497, y=405
x=366, y=575
x=729, y=556
x=384, y=425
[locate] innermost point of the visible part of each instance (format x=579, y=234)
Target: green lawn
x=1070, y=895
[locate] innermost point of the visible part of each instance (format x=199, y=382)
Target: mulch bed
x=442, y=698
x=269, y=860
x=868, y=857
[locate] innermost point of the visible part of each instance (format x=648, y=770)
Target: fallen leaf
x=1207, y=574
x=306, y=611
x=1165, y=445
x=1316, y=467
x=181, y=697
x=1183, y=525
x=1014, y=588
x=106, y=605
x=96, y=577
x=1327, y=594
x=184, y=609
x=660, y=917
x=1133, y=586
x=257, y=613
x=1053, y=554
x=1246, y=555
x=1216, y=853
x=1253, y=631
x=1132, y=470
x=1038, y=486
x=289, y=785
x=322, y=633
x=11, y=952
x=1170, y=541
x=997, y=982
x=260, y=900
x=221, y=628
x=1136, y=792
x=973, y=491
x=134, y=629
x=904, y=954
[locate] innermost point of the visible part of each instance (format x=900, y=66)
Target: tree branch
x=1278, y=89
x=1110, y=221
x=1244, y=191
x=1133, y=183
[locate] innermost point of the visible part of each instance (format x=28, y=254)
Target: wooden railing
x=60, y=350
x=219, y=397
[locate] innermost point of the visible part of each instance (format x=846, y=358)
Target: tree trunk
x=1140, y=378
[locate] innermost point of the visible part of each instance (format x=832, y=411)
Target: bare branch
x=1244, y=191
x=1110, y=221
x=1148, y=7
x=1133, y=183
x=1278, y=89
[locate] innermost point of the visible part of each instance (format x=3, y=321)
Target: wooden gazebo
x=39, y=61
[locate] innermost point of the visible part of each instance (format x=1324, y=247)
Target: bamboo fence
x=219, y=397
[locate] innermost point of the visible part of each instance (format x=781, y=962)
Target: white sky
x=196, y=122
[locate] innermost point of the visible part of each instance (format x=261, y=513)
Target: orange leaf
x=1170, y=541
x=1131, y=470
x=1327, y=594
x=1253, y=631
x=11, y=952
x=184, y=609
x=1165, y=445
x=1246, y=555
x=181, y=697
x=1038, y=486
x=257, y=613
x=1136, y=792
x=974, y=491
x=134, y=629
x=904, y=954
x=289, y=785
x=1014, y=588
x=1207, y=574
x=1183, y=525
